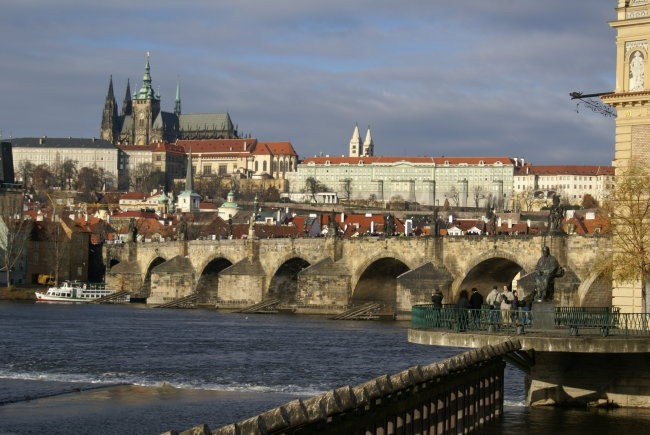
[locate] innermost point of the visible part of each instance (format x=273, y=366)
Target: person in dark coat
x=476, y=303
x=436, y=298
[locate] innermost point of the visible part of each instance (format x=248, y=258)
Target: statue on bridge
x=555, y=216
x=546, y=270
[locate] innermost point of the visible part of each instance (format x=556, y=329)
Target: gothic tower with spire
x=177, y=102
x=146, y=106
x=110, y=122
x=127, y=104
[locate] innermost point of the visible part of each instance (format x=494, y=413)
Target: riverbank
x=19, y=293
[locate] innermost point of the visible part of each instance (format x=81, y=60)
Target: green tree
x=629, y=210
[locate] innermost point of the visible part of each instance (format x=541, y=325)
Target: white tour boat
x=75, y=291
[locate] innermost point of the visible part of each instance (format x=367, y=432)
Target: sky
x=430, y=78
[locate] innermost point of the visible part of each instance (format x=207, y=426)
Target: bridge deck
x=542, y=341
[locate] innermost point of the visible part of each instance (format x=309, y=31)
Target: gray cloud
x=468, y=77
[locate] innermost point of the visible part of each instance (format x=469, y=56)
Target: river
x=131, y=369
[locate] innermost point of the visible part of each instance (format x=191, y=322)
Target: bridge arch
x=596, y=290
x=284, y=283
x=378, y=283
x=145, y=291
x=207, y=284
x=496, y=268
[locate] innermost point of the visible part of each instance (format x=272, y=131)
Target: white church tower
x=355, y=143
x=368, y=145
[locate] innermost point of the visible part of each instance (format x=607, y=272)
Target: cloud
x=444, y=78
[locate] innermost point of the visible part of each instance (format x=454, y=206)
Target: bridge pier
x=569, y=371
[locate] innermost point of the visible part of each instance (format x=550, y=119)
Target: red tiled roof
x=564, y=170
x=218, y=146
x=408, y=159
x=274, y=148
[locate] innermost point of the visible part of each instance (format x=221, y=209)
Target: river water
x=130, y=369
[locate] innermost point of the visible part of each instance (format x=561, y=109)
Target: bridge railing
x=574, y=320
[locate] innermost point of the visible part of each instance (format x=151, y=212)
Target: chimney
x=516, y=162
x=41, y=141
x=521, y=160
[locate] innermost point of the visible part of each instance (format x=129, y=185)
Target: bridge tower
x=631, y=99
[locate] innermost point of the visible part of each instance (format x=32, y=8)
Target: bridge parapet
x=457, y=395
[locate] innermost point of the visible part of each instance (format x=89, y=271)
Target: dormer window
x=446, y=163
x=481, y=163
x=327, y=162
x=360, y=162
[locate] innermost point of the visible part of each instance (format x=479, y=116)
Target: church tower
x=146, y=107
x=355, y=143
x=109, y=130
x=368, y=145
x=631, y=99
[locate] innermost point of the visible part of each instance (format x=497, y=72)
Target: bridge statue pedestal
x=543, y=313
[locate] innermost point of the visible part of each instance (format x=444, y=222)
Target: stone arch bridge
x=328, y=275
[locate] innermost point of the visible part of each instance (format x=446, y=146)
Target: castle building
x=142, y=122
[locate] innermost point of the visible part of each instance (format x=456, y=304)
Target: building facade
x=571, y=182
x=87, y=152
x=462, y=181
x=248, y=158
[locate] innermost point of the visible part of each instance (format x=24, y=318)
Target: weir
x=460, y=394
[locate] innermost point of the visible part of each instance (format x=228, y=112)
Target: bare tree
x=630, y=214
x=525, y=199
x=453, y=195
x=43, y=178
x=65, y=173
x=88, y=180
x=347, y=189
x=477, y=194
x=313, y=186
x=26, y=173
x=14, y=232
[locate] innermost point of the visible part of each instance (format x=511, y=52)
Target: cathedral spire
x=177, y=103
x=109, y=115
x=127, y=104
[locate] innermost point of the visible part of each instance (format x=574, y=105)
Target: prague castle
x=142, y=122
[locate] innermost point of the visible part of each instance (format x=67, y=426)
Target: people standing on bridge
x=436, y=300
x=514, y=308
x=463, y=310
x=506, y=302
x=476, y=303
x=495, y=305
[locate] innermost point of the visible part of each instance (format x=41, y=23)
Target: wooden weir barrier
x=460, y=394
